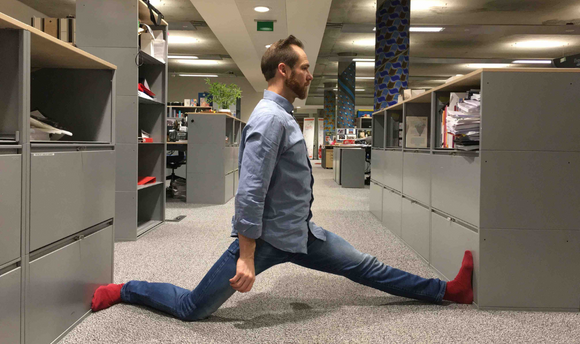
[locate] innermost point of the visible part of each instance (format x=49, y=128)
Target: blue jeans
x=335, y=256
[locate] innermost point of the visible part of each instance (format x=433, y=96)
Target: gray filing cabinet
x=57, y=194
x=349, y=166
x=212, y=157
x=513, y=203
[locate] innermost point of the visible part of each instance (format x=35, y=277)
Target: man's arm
x=245, y=273
x=261, y=148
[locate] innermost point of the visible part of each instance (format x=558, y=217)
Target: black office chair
x=174, y=162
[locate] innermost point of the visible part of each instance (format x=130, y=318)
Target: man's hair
x=280, y=52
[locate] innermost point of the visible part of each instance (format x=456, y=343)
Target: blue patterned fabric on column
x=392, y=52
x=346, y=87
x=329, y=113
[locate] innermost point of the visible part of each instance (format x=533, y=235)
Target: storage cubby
x=10, y=87
x=417, y=121
x=79, y=100
x=151, y=208
x=151, y=161
x=394, y=128
x=152, y=121
x=229, y=131
x=378, y=130
x=512, y=202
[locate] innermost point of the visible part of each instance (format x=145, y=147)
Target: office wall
x=19, y=11
x=188, y=88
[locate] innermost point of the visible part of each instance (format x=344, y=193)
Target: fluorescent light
x=487, y=65
x=365, y=64
x=365, y=77
x=181, y=57
x=268, y=46
x=200, y=75
x=539, y=44
x=424, y=5
x=261, y=9
x=426, y=29
x=298, y=107
x=363, y=60
x=533, y=61
x=366, y=42
x=182, y=39
x=375, y=28
x=199, y=62
x=359, y=89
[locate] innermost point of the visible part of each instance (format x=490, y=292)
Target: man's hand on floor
x=245, y=275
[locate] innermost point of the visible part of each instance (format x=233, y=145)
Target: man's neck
x=283, y=91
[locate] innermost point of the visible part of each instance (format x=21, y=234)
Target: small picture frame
x=341, y=131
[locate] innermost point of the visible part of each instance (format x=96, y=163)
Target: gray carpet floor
x=290, y=304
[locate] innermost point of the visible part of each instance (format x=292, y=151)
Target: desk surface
x=177, y=143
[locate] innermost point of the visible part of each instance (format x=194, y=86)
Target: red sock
x=460, y=290
x=106, y=296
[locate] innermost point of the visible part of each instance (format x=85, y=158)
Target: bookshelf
x=514, y=202
x=57, y=197
x=138, y=208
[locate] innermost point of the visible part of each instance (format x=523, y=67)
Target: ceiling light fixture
x=268, y=46
x=487, y=65
x=199, y=62
x=539, y=44
x=365, y=64
x=363, y=60
x=365, y=77
x=182, y=39
x=261, y=9
x=425, y=5
x=533, y=61
x=359, y=89
x=375, y=28
x=200, y=75
x=181, y=57
x=365, y=42
x=426, y=29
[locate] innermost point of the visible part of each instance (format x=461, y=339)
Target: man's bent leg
x=213, y=290
x=337, y=256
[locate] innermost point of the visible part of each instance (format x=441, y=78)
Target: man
x=272, y=215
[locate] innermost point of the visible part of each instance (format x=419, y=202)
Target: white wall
x=20, y=11
x=181, y=88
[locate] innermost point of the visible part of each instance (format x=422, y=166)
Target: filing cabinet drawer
x=415, y=227
x=70, y=191
x=455, y=186
x=10, y=206
x=10, y=283
x=392, y=211
x=376, y=201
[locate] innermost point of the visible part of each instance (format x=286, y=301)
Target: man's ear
x=283, y=69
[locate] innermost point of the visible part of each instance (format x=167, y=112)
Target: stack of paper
x=42, y=128
x=464, y=123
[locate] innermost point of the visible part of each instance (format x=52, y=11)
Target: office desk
x=178, y=146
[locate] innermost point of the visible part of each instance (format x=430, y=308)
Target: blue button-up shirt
x=274, y=195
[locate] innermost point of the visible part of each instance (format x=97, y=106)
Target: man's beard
x=294, y=85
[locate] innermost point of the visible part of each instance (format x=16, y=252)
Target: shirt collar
x=278, y=99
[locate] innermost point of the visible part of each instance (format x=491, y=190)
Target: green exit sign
x=265, y=26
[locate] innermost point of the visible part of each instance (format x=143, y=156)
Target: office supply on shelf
x=417, y=130
x=143, y=86
x=146, y=180
x=44, y=129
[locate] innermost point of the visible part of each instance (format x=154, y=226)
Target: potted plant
x=222, y=94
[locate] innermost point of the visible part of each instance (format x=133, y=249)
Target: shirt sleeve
x=261, y=148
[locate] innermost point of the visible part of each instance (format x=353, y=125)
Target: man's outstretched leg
x=337, y=256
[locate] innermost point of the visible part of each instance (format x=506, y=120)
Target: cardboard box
x=51, y=26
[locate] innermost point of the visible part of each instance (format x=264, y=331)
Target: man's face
x=298, y=79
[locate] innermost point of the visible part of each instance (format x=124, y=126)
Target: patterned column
x=329, y=110
x=346, y=87
x=392, y=52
